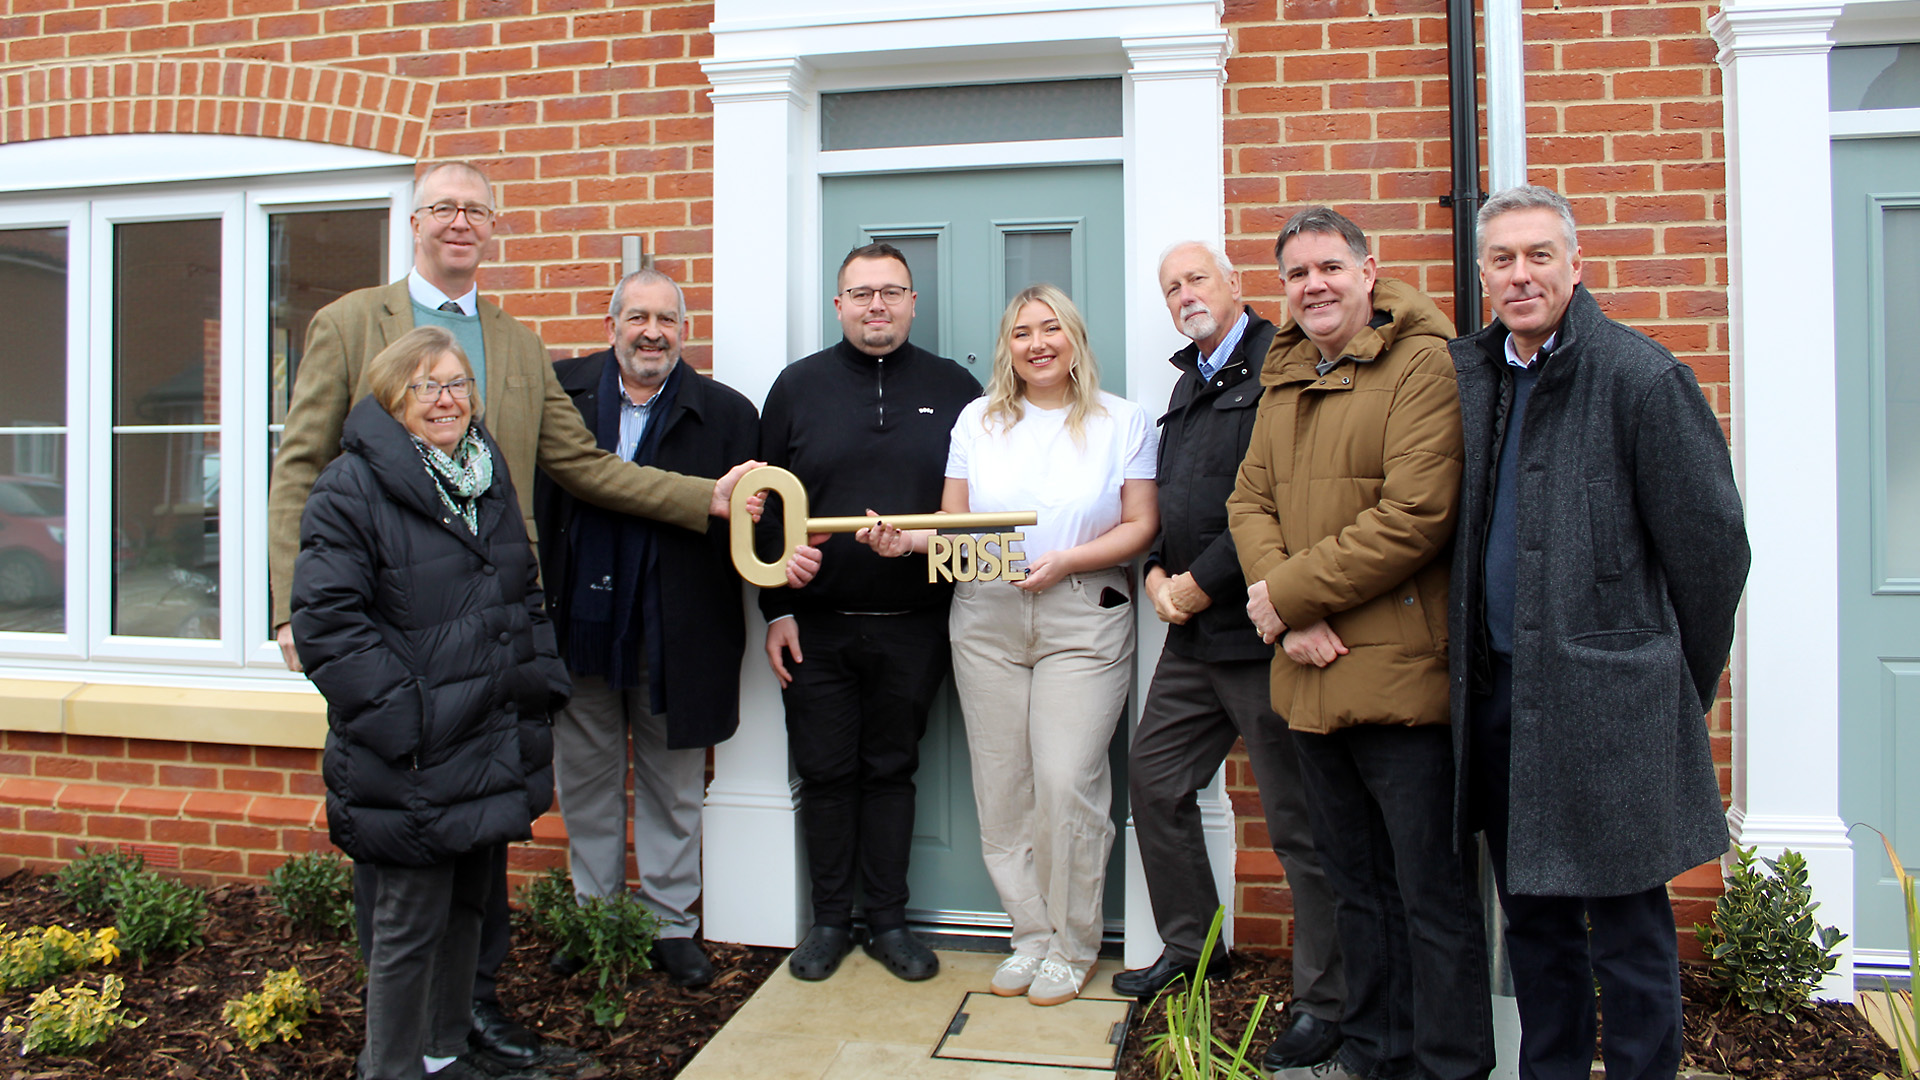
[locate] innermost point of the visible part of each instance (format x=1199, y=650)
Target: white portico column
x=1786, y=674
x=1174, y=192
x=755, y=890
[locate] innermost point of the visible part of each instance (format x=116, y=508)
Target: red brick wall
x=593, y=118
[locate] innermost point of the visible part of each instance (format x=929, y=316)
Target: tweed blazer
x=528, y=413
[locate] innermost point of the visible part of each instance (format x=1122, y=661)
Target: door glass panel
x=1873, y=77
x=166, y=441
x=1901, y=267
x=982, y=113
x=33, y=414
x=1036, y=257
x=923, y=258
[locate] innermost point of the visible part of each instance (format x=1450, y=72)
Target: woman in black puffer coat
x=418, y=614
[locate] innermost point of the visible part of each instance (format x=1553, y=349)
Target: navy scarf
x=614, y=609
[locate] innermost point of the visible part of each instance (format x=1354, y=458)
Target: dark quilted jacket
x=433, y=652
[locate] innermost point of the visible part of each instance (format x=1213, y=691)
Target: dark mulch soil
x=185, y=1037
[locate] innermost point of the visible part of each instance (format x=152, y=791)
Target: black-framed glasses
x=892, y=294
x=444, y=211
x=429, y=391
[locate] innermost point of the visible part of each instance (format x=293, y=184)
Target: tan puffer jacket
x=1344, y=506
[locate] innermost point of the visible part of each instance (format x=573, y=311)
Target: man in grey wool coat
x=1600, y=556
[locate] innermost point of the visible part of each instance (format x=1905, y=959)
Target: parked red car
x=33, y=536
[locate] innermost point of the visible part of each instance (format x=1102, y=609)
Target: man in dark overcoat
x=1600, y=556
x=1210, y=685
x=650, y=620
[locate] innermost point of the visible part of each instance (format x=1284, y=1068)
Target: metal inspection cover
x=1085, y=1033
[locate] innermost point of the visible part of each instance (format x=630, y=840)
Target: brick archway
x=335, y=106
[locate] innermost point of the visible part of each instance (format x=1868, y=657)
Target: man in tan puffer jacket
x=1342, y=516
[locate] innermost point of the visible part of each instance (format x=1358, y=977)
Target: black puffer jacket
x=1203, y=438
x=433, y=652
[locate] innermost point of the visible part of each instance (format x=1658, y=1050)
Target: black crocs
x=904, y=955
x=820, y=954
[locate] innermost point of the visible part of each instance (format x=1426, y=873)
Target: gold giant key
x=794, y=497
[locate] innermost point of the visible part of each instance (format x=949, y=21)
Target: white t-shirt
x=1036, y=465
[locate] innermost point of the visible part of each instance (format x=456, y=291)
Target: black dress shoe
x=820, y=954
x=1308, y=1040
x=903, y=954
x=477, y=1066
x=499, y=1039
x=563, y=962
x=683, y=961
x=1144, y=983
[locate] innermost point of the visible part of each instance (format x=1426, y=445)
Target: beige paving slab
x=863, y=1024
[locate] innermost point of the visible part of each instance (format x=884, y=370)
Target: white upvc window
x=150, y=333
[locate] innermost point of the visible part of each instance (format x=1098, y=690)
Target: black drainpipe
x=1463, y=105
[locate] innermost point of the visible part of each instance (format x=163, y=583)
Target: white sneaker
x=1058, y=982
x=1014, y=975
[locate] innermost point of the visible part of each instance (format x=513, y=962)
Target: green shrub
x=32, y=957
x=315, y=891
x=86, y=880
x=71, y=1021
x=275, y=1012
x=613, y=934
x=1763, y=947
x=1189, y=1049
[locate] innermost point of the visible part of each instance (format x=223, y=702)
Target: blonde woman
x=1041, y=663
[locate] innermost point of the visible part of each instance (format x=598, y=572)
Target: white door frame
x=1786, y=714
x=770, y=65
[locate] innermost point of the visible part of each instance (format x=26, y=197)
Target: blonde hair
x=1006, y=391
x=389, y=373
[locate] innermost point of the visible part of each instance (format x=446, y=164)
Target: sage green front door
x=1876, y=209
x=973, y=239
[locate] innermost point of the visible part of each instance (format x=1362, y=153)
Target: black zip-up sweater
x=861, y=432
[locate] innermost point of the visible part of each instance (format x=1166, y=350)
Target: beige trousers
x=1042, y=681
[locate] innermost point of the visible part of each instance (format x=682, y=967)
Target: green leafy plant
x=315, y=891
x=1763, y=947
x=86, y=880
x=1190, y=1049
x=275, y=1012
x=71, y=1021
x=613, y=934
x=34, y=956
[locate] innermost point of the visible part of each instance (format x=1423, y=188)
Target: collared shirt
x=1210, y=365
x=634, y=418
x=1513, y=354
x=428, y=295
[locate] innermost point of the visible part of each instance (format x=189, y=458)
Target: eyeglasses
x=444, y=211
x=892, y=294
x=429, y=391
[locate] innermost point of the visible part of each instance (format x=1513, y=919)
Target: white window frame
x=243, y=206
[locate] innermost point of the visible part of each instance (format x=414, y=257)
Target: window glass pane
x=166, y=444
x=316, y=257
x=1873, y=77
x=990, y=112
x=33, y=415
x=1902, y=405
x=923, y=258
x=1039, y=257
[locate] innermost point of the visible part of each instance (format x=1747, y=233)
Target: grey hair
x=1214, y=252
x=1325, y=220
x=462, y=167
x=1525, y=197
x=645, y=276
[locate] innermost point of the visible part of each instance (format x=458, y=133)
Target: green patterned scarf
x=461, y=478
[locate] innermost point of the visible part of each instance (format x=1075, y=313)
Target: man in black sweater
x=1210, y=686
x=861, y=650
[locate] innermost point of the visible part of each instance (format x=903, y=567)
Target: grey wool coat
x=1632, y=554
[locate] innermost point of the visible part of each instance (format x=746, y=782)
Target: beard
x=1197, y=323
x=645, y=370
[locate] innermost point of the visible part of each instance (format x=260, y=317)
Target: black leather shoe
x=478, y=1066
x=683, y=961
x=903, y=954
x=563, y=962
x=1308, y=1040
x=499, y=1039
x=1144, y=983
x=820, y=954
